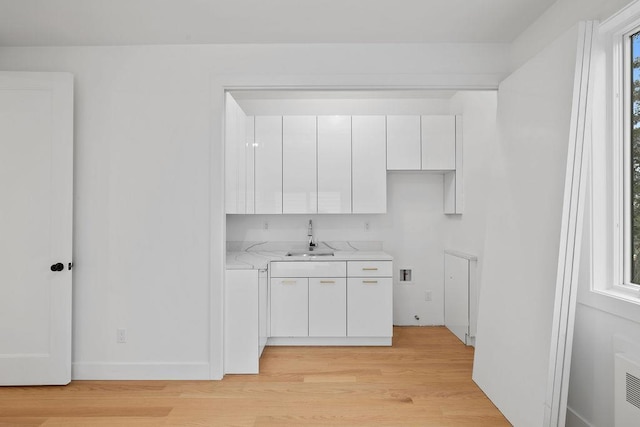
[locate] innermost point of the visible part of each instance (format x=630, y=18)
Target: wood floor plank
x=424, y=379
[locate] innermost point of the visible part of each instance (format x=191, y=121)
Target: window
x=614, y=215
x=632, y=140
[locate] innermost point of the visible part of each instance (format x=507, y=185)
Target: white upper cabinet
x=249, y=164
x=403, y=143
x=369, y=173
x=334, y=164
x=235, y=157
x=299, y=184
x=438, y=142
x=268, y=164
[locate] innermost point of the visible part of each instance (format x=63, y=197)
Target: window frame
x=625, y=173
x=610, y=195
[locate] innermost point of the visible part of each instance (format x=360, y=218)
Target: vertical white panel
x=524, y=218
x=369, y=164
x=456, y=296
x=334, y=164
x=403, y=143
x=299, y=185
x=231, y=154
x=438, y=142
x=250, y=164
x=236, y=157
x=268, y=164
x=241, y=161
x=241, y=324
x=328, y=307
x=263, y=310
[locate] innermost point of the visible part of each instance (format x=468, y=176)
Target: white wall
x=143, y=147
x=524, y=212
x=591, y=385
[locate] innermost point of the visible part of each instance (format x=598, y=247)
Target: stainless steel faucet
x=312, y=243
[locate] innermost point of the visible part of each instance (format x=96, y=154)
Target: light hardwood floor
x=423, y=380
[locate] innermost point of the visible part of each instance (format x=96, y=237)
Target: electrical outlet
x=427, y=296
x=265, y=226
x=367, y=226
x=121, y=336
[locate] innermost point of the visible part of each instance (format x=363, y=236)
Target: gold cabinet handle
x=327, y=281
x=369, y=268
x=369, y=281
x=289, y=282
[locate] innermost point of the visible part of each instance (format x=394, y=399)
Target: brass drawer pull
x=289, y=282
x=327, y=281
x=369, y=281
x=369, y=268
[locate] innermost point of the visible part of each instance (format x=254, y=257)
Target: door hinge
x=70, y=265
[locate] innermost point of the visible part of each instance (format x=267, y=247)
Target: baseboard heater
x=627, y=390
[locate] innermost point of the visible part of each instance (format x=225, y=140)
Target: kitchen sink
x=311, y=253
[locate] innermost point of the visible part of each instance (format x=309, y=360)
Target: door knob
x=57, y=267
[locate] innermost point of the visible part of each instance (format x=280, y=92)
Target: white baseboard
x=575, y=420
x=330, y=341
x=140, y=371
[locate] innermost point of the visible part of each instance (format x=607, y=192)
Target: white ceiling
x=125, y=22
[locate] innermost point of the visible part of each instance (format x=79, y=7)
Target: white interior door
x=36, y=191
x=525, y=223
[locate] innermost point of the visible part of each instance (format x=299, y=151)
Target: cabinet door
x=299, y=187
x=403, y=143
x=268, y=164
x=241, y=341
x=438, y=142
x=334, y=164
x=328, y=307
x=369, y=171
x=369, y=307
x=249, y=163
x=290, y=307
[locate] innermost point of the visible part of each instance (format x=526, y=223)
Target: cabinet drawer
x=369, y=268
x=308, y=269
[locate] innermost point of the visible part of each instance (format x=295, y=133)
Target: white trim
x=222, y=82
x=623, y=19
x=140, y=371
x=329, y=341
x=575, y=420
x=570, y=236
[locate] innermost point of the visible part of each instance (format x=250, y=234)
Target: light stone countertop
x=258, y=255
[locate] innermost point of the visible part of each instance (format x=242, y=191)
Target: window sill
x=620, y=303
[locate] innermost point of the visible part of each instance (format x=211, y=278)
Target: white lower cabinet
x=289, y=307
x=370, y=307
x=328, y=307
x=319, y=303
x=370, y=299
